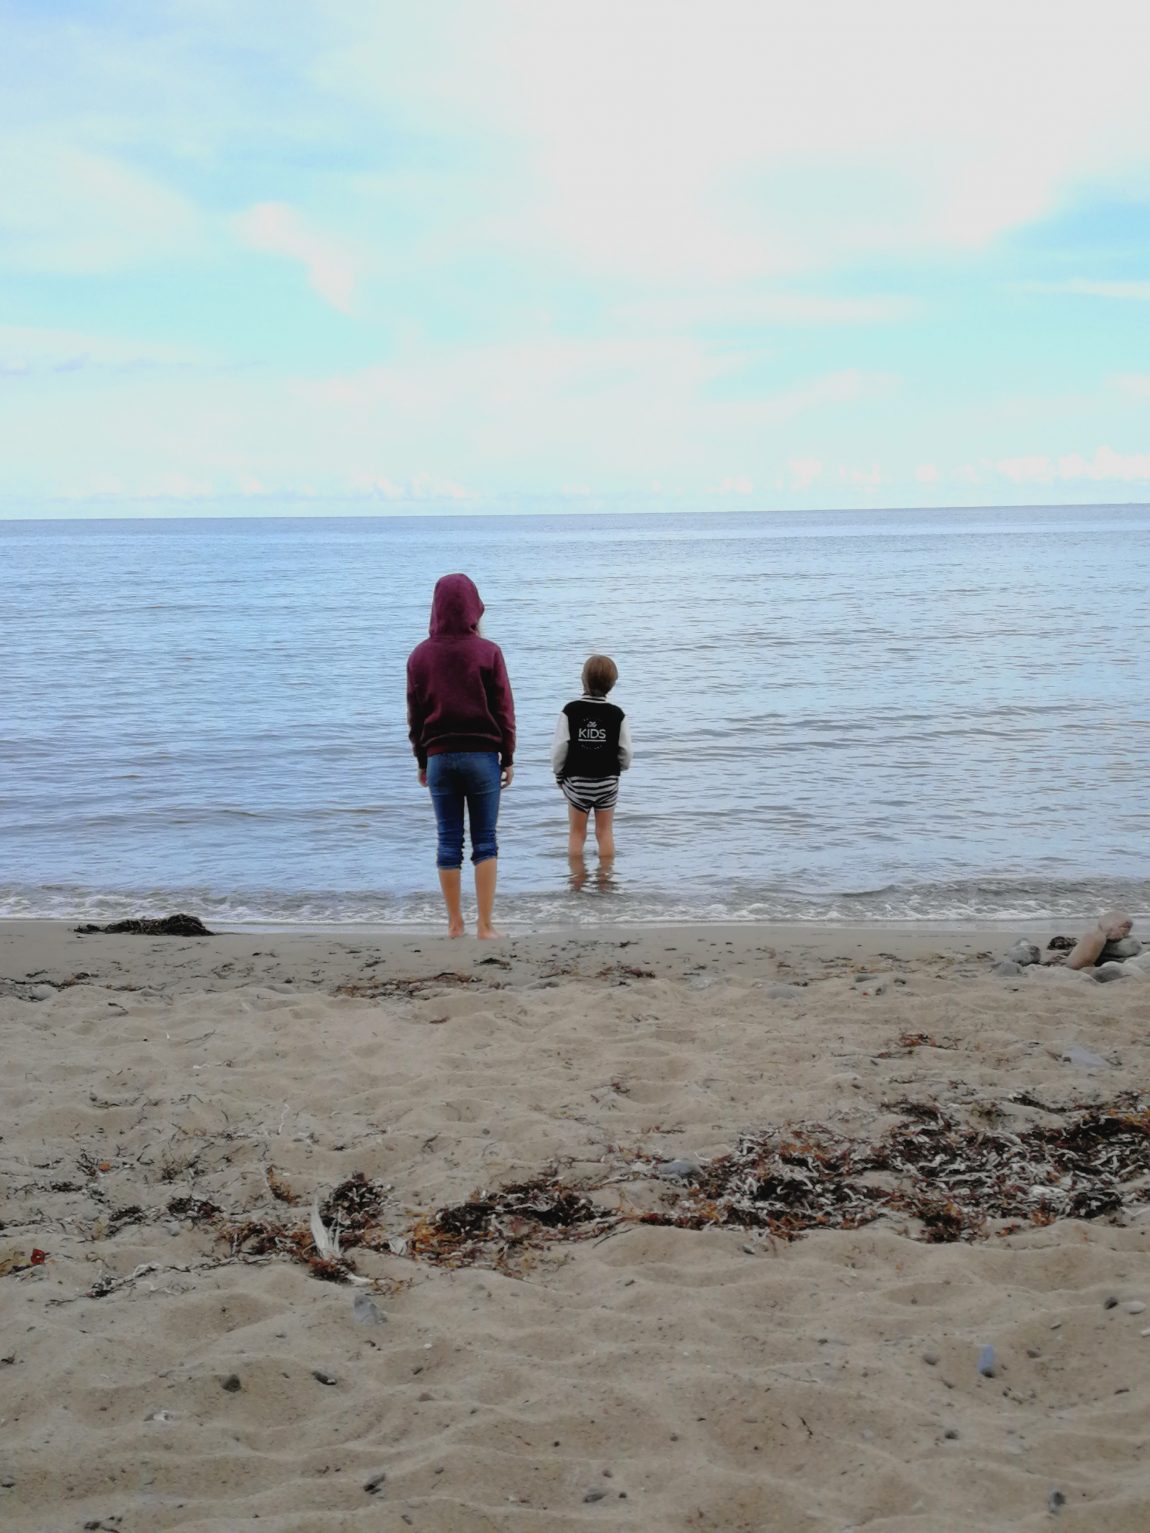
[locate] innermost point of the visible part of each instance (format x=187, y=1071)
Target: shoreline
x=265, y=952
x=513, y=930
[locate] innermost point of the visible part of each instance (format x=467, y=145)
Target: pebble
x=950, y=1433
x=1108, y=971
x=930, y=1357
x=367, y=1311
x=323, y=1378
x=986, y=1362
x=1023, y=953
x=1145, y=1331
x=1118, y=952
x=1056, y=1501
x=596, y=1493
x=679, y=1170
x=175, y=1229
x=160, y=1416
x=231, y=1383
x=1007, y=969
x=375, y=1484
x=1135, y=1307
x=1110, y=1303
x=1056, y=1325
x=1083, y=1058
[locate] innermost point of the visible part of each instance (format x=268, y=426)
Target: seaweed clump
x=164, y=926
x=491, y=1225
x=951, y=1178
x=348, y=1217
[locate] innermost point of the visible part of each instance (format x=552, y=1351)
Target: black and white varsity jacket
x=592, y=740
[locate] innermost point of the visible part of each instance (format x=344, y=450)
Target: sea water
x=863, y=715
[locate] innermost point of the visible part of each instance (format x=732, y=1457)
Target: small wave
x=970, y=901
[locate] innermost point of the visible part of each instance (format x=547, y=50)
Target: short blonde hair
x=600, y=674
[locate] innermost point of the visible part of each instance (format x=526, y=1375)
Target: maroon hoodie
x=458, y=694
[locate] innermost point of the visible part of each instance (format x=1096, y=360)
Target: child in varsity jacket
x=591, y=746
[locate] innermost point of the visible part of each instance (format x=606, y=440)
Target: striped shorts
x=587, y=793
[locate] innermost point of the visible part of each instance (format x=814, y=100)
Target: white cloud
x=688, y=309
x=747, y=137
x=865, y=478
x=804, y=471
x=1104, y=464
x=280, y=229
x=734, y=484
x=927, y=473
x=27, y=349
x=66, y=210
x=1135, y=292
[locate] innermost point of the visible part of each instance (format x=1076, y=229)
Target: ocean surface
x=837, y=715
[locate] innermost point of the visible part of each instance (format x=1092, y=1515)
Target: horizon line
x=452, y=511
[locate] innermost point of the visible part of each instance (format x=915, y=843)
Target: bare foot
x=488, y=934
x=457, y=929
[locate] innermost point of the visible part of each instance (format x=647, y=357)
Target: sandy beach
x=173, y=1108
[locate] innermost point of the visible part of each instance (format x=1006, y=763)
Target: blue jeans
x=459, y=777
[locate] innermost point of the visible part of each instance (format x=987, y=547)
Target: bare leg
x=605, y=834
x=576, y=832
x=485, y=876
x=449, y=882
x=578, y=866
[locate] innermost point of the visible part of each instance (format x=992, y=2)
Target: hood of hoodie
x=455, y=607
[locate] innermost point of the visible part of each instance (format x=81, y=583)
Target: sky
x=267, y=256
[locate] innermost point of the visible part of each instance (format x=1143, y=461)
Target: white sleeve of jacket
x=559, y=742
x=626, y=754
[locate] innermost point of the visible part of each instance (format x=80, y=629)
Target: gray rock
x=681, y=1170
x=1118, y=952
x=986, y=1362
x=596, y=1493
x=1055, y=1502
x=1024, y=952
x=231, y=1383
x=23, y=991
x=1108, y=971
x=1084, y=1059
x=374, y=1486
x=781, y=990
x=367, y=1311
x=323, y=1378
x=1007, y=969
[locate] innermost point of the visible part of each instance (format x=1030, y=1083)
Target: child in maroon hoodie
x=461, y=719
